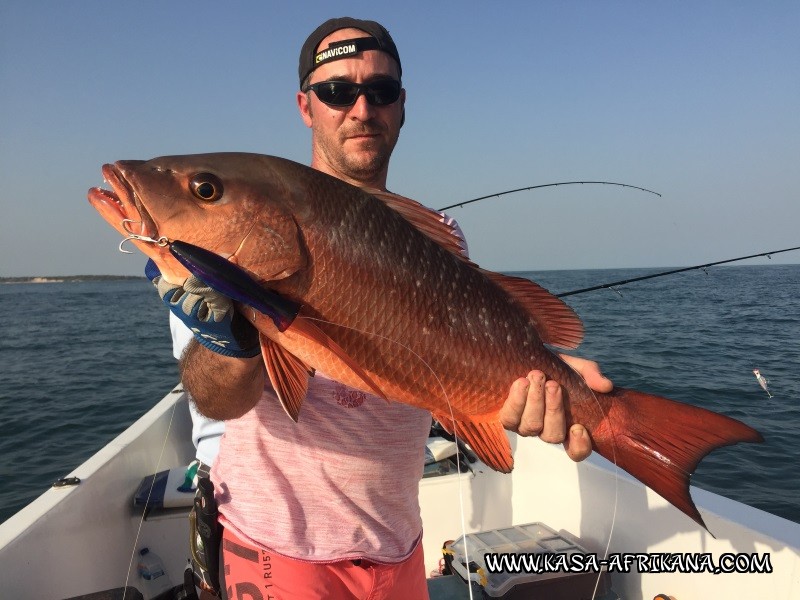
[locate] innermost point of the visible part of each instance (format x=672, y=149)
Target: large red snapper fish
x=396, y=308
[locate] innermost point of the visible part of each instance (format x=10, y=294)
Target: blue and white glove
x=208, y=314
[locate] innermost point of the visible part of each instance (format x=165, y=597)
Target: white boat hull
x=82, y=539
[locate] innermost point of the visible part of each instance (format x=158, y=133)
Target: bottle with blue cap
x=155, y=580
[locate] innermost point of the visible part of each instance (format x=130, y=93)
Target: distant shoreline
x=67, y=278
x=80, y=278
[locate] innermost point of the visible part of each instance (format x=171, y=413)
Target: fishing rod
x=544, y=185
x=672, y=272
x=623, y=281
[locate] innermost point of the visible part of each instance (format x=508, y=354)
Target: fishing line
x=616, y=478
x=162, y=241
x=616, y=496
x=147, y=502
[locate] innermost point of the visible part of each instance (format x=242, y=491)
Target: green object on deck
x=447, y=587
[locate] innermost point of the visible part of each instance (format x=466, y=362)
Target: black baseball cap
x=380, y=39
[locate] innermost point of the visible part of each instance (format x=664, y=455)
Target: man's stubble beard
x=355, y=165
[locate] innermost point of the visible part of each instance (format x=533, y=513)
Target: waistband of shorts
x=323, y=561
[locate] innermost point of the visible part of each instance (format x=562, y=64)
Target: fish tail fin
x=486, y=436
x=661, y=441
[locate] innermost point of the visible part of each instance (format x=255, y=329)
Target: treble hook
x=163, y=241
x=125, y=225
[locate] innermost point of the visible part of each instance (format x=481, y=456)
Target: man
x=327, y=507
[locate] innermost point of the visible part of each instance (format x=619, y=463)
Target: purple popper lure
x=234, y=282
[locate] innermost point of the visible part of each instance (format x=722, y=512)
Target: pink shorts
x=250, y=573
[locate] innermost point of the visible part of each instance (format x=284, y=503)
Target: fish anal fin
x=485, y=435
x=661, y=441
x=556, y=323
x=287, y=374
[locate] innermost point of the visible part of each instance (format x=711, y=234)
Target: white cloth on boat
x=206, y=432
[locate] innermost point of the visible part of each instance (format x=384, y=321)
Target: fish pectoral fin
x=305, y=327
x=288, y=376
x=485, y=435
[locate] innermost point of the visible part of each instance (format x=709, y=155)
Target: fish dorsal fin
x=555, y=321
x=485, y=435
x=288, y=376
x=424, y=219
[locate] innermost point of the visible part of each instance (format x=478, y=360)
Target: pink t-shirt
x=341, y=483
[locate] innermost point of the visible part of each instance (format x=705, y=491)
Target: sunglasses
x=344, y=93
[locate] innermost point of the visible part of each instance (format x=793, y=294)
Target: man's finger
x=554, y=427
x=511, y=412
x=578, y=443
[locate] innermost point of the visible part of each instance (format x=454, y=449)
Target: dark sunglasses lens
x=382, y=93
x=337, y=93
x=344, y=93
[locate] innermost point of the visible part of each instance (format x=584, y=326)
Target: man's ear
x=304, y=106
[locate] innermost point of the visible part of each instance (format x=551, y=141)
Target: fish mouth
x=121, y=206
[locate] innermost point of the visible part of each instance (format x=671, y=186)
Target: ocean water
x=79, y=362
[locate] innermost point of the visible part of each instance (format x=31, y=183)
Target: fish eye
x=206, y=186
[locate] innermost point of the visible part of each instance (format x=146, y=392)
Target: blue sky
x=696, y=100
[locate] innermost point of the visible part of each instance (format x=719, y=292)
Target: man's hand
x=535, y=406
x=210, y=315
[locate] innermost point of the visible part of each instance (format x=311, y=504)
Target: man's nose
x=361, y=109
